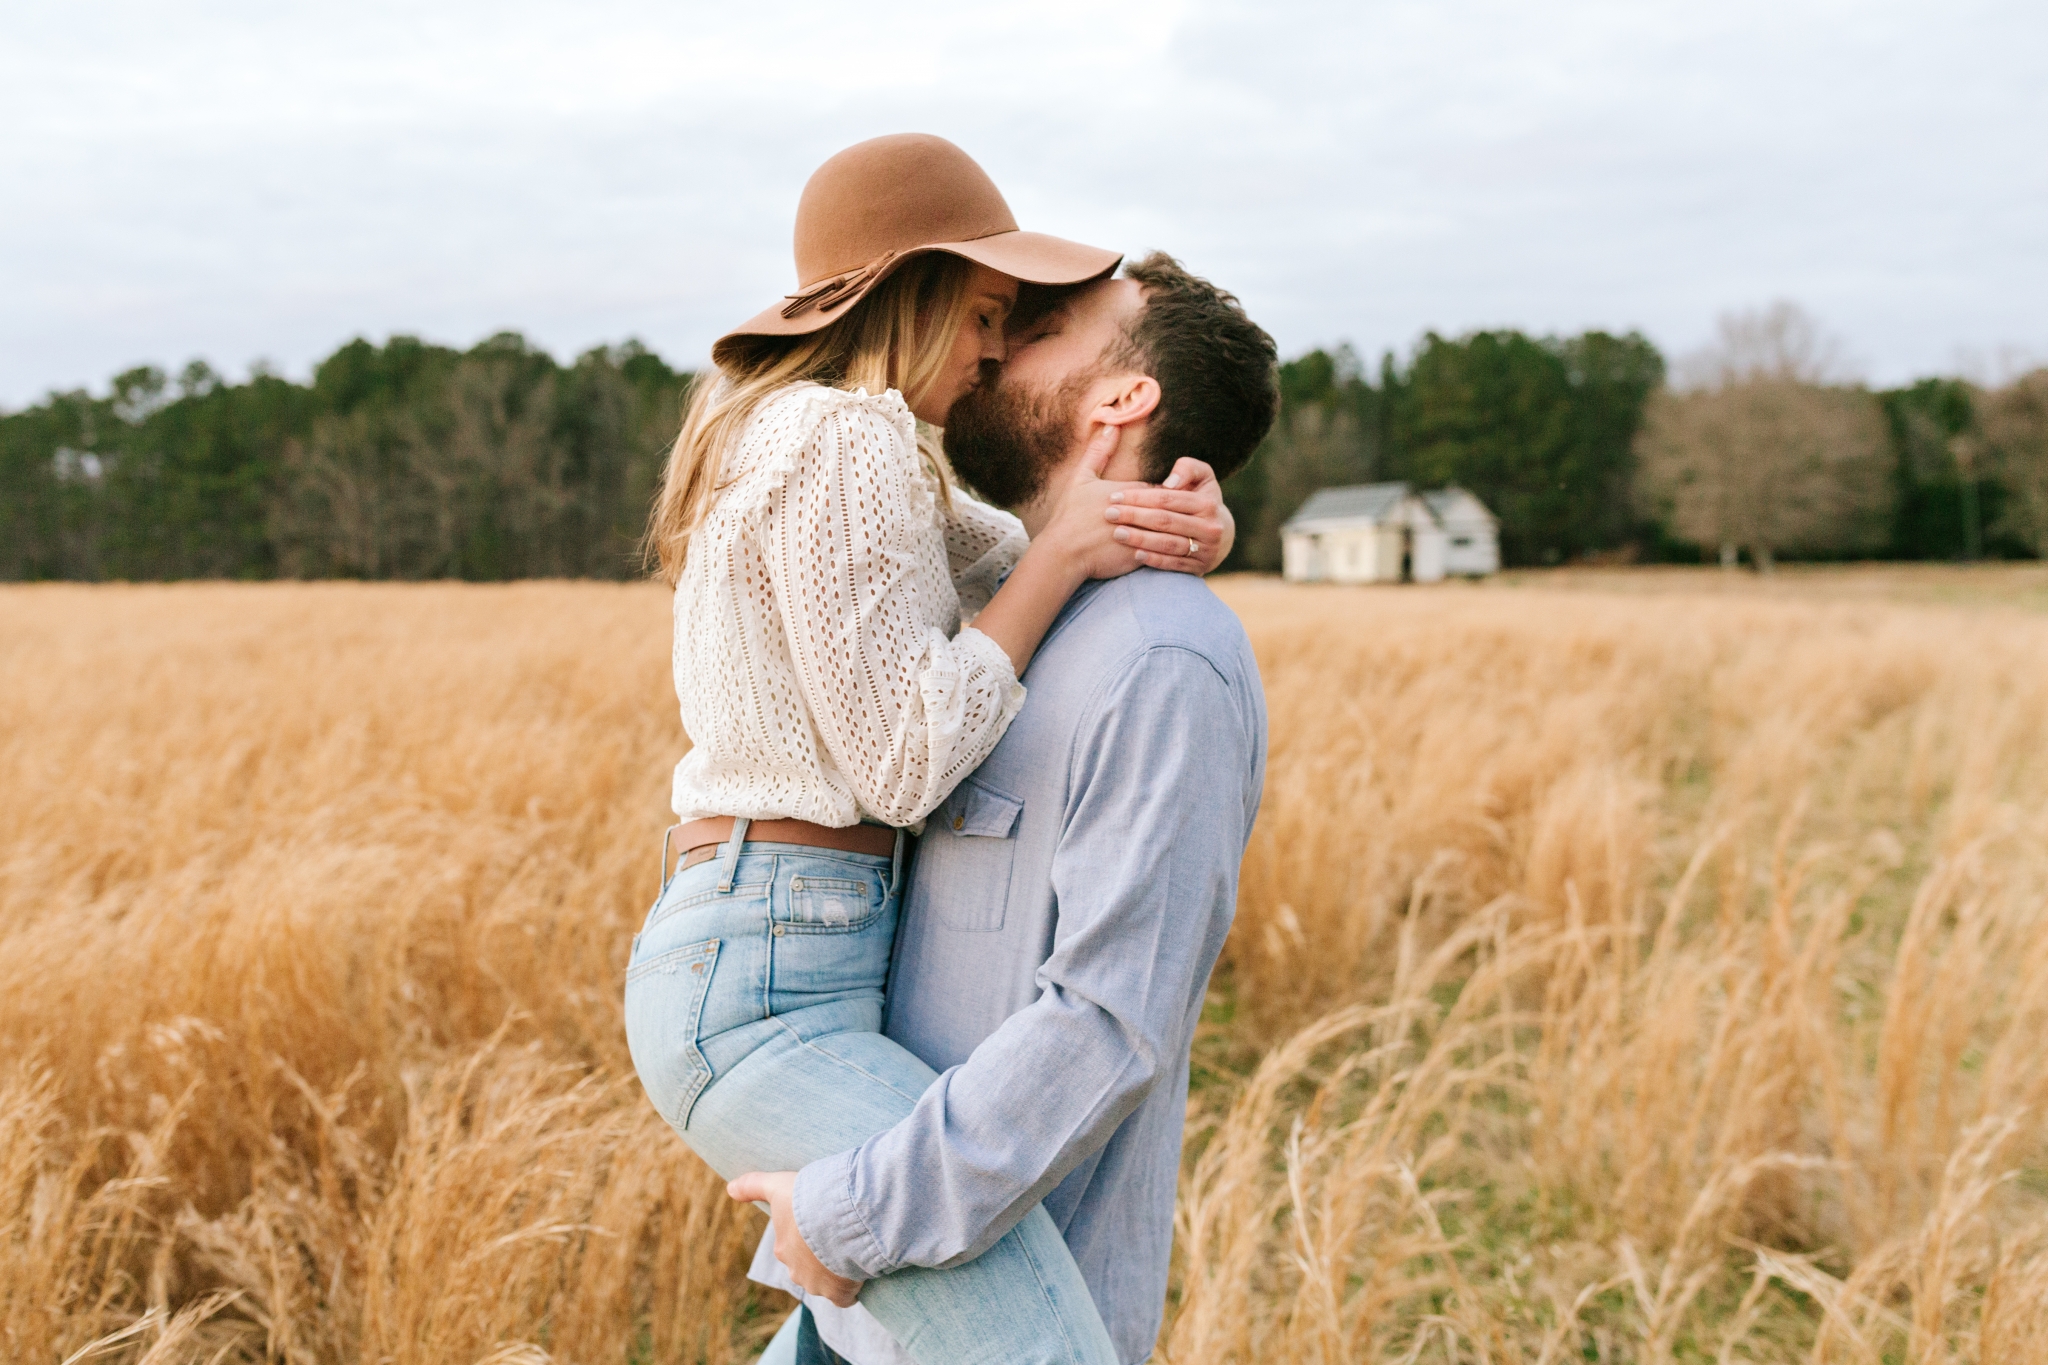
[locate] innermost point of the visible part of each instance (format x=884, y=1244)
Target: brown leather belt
x=699, y=839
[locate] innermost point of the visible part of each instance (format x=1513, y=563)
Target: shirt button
x=959, y=821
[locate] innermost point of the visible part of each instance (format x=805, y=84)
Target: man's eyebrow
x=1048, y=313
x=1037, y=302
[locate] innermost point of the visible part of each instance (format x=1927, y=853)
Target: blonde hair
x=898, y=337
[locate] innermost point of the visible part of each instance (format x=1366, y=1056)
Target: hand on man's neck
x=1126, y=465
x=1085, y=341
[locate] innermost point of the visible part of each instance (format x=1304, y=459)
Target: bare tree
x=1781, y=341
x=1765, y=449
x=2013, y=422
x=477, y=476
x=337, y=511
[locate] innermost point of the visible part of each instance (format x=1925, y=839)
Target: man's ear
x=1132, y=400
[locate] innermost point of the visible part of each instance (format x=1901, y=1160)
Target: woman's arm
x=1182, y=526
x=983, y=544
x=1070, y=550
x=903, y=707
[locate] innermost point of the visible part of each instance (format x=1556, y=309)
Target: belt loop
x=730, y=858
x=896, y=865
x=668, y=869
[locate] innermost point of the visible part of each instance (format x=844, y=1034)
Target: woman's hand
x=1080, y=533
x=1182, y=525
x=1075, y=544
x=1088, y=536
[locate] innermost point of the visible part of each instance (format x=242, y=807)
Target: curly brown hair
x=1218, y=371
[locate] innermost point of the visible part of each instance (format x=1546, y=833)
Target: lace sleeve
x=983, y=543
x=856, y=560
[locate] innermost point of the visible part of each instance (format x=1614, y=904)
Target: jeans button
x=796, y=883
x=778, y=931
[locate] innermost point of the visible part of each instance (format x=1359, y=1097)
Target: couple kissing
x=975, y=756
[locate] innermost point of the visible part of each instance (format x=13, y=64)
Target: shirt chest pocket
x=979, y=823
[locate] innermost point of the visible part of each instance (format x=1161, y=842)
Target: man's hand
x=775, y=1190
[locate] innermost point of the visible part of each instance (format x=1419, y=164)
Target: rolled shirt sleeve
x=1144, y=875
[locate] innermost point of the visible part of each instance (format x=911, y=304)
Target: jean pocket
x=664, y=1010
x=828, y=905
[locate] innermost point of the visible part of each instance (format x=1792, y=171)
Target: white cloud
x=262, y=180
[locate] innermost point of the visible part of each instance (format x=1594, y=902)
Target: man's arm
x=1144, y=877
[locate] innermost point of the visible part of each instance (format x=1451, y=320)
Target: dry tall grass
x=1617, y=976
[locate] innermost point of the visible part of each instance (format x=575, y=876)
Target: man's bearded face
x=1005, y=439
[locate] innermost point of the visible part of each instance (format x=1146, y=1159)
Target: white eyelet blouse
x=819, y=656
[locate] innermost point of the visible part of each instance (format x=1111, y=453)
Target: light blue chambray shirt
x=1064, y=911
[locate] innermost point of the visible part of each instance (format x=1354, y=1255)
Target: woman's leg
x=753, y=1008
x=801, y=1097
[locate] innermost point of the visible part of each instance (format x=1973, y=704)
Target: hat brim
x=1032, y=257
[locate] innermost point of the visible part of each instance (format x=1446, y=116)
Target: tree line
x=1764, y=450
x=410, y=460
x=405, y=460
x=1542, y=429
x=1592, y=447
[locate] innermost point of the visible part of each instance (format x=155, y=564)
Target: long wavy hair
x=898, y=337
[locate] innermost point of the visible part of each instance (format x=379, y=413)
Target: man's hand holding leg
x=775, y=1190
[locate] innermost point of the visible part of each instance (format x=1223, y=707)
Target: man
x=1069, y=899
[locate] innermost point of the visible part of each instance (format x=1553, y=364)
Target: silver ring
x=1193, y=548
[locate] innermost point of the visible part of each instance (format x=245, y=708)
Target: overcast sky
x=241, y=181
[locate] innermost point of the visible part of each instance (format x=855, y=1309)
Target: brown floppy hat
x=882, y=202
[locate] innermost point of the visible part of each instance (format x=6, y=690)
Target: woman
x=822, y=567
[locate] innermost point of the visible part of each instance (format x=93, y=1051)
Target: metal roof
x=1455, y=504
x=1373, y=502
x=1379, y=503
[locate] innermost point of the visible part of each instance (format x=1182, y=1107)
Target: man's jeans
x=796, y=1342
x=754, y=1010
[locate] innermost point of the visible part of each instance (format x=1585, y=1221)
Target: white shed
x=1348, y=535
x=1383, y=533
x=1471, y=533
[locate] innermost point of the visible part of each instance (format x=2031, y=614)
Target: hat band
x=829, y=293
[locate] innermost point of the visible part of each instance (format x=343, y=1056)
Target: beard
x=1005, y=440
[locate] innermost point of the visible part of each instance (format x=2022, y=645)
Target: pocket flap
x=982, y=812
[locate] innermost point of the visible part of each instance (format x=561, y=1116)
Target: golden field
x=1629, y=967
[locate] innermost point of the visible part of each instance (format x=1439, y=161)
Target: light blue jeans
x=754, y=1013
